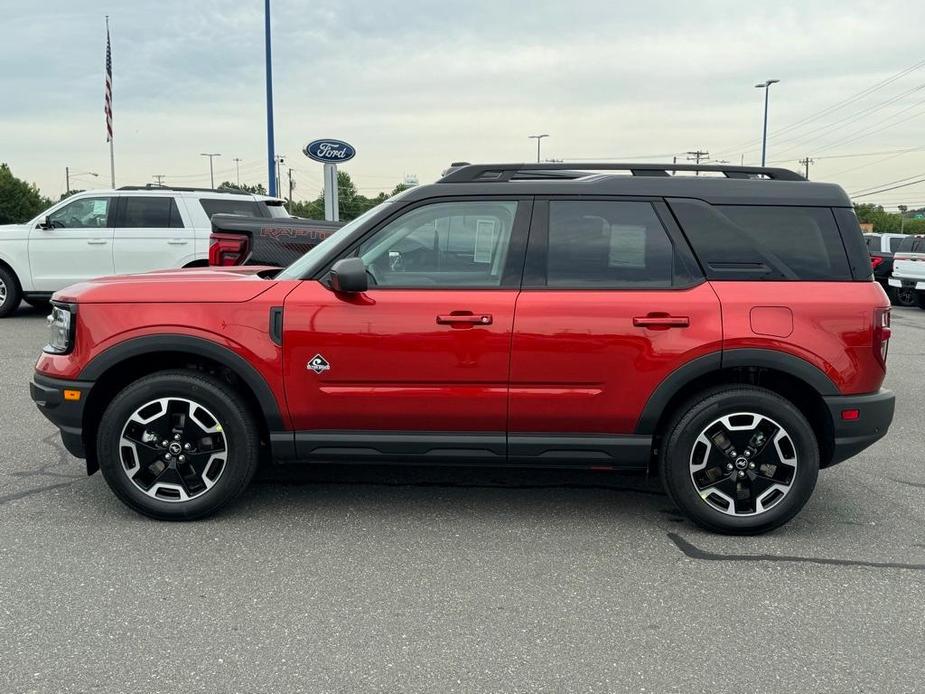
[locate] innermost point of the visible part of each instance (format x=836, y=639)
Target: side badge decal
x=318, y=364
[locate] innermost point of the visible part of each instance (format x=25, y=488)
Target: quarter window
x=246, y=208
x=85, y=213
x=607, y=244
x=451, y=244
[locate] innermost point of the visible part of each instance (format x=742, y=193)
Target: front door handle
x=177, y=242
x=97, y=242
x=661, y=321
x=465, y=318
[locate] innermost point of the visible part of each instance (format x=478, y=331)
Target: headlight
x=60, y=329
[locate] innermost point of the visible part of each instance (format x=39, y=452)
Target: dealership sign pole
x=330, y=153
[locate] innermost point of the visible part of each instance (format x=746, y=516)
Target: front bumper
x=874, y=415
x=66, y=413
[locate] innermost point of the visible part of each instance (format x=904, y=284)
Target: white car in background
x=909, y=267
x=106, y=232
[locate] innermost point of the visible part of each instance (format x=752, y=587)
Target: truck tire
x=177, y=445
x=739, y=460
x=902, y=296
x=10, y=292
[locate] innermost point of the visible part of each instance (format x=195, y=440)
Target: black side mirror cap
x=348, y=275
x=46, y=223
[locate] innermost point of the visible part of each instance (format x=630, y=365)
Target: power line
x=830, y=109
x=884, y=190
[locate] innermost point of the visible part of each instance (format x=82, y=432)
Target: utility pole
x=67, y=177
x=291, y=186
x=211, y=171
x=237, y=170
x=696, y=156
x=160, y=178
x=538, y=139
x=806, y=161
x=902, y=218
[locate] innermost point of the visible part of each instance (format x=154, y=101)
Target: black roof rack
x=161, y=186
x=479, y=173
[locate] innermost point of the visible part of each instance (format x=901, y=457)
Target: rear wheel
x=10, y=293
x=903, y=296
x=177, y=445
x=920, y=299
x=739, y=460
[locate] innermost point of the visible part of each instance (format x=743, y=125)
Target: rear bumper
x=64, y=413
x=899, y=283
x=875, y=414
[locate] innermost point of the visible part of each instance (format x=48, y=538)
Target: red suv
x=721, y=330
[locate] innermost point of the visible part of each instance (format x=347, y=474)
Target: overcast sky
x=415, y=85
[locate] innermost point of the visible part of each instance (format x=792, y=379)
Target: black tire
x=238, y=428
x=10, y=292
x=902, y=296
x=695, y=417
x=920, y=298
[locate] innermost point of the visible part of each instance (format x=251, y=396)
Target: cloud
x=415, y=84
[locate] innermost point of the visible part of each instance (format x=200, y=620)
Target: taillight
x=227, y=249
x=876, y=261
x=882, y=333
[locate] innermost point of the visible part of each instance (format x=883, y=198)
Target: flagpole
x=112, y=156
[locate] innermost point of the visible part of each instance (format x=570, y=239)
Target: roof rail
x=506, y=172
x=161, y=186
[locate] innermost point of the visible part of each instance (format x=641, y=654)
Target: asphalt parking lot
x=389, y=580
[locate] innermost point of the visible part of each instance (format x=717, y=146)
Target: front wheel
x=177, y=445
x=10, y=294
x=739, y=460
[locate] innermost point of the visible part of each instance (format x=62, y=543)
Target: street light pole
x=68, y=174
x=538, y=139
x=237, y=170
x=766, y=85
x=271, y=146
x=211, y=171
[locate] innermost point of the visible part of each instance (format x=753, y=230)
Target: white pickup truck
x=909, y=267
x=106, y=232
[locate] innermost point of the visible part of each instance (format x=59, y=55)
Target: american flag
x=108, y=107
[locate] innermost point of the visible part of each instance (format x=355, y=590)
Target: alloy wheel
x=173, y=449
x=743, y=464
x=2, y=292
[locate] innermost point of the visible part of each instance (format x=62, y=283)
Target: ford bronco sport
x=722, y=331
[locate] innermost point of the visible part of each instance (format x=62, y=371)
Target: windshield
x=298, y=269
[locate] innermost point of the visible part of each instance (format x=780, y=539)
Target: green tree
x=253, y=190
x=349, y=201
x=19, y=201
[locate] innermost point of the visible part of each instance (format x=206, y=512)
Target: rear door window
x=736, y=242
x=894, y=244
x=607, y=244
x=150, y=213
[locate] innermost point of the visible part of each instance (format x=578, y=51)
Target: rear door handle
x=661, y=320
x=465, y=318
x=177, y=242
x=97, y=242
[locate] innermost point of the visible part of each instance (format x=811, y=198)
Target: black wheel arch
x=115, y=367
x=790, y=376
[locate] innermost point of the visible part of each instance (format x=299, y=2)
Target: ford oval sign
x=329, y=151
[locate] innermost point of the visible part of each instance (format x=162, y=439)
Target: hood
x=194, y=285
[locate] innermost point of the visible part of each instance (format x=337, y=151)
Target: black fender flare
x=194, y=346
x=727, y=359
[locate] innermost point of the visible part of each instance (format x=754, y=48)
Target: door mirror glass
x=348, y=275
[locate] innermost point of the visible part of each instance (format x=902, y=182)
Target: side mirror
x=349, y=275
x=46, y=223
